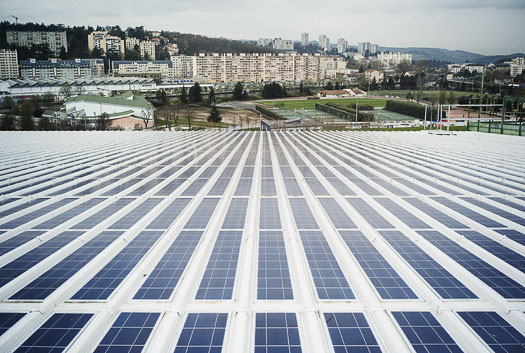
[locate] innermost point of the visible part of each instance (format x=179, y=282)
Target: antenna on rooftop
x=16, y=18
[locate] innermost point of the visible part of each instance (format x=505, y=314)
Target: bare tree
x=189, y=115
x=146, y=116
x=166, y=113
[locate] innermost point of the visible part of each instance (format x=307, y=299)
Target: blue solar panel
x=384, y=278
x=18, y=240
x=236, y=215
x=406, y=217
x=509, y=256
x=351, y=333
x=133, y=216
x=141, y=190
x=487, y=222
x=445, y=284
x=67, y=215
x=369, y=214
x=304, y=219
x=7, y=320
x=497, y=333
x=276, y=332
x=101, y=215
x=328, y=278
x=170, y=187
x=244, y=187
x=202, y=333
x=425, y=333
x=219, y=276
x=194, y=188
x=202, y=215
x=53, y=278
x=129, y=333
x=269, y=214
x=165, y=276
x=20, y=207
x=219, y=187
x=16, y=267
x=496, y=210
x=513, y=234
x=494, y=278
x=509, y=203
x=109, y=278
x=435, y=213
x=56, y=334
x=336, y=214
x=292, y=187
x=17, y=222
x=169, y=214
x=268, y=187
x=273, y=275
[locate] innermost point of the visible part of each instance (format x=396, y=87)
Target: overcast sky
x=482, y=26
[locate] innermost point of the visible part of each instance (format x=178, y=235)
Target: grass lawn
x=194, y=123
x=310, y=104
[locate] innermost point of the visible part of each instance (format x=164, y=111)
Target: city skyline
x=475, y=26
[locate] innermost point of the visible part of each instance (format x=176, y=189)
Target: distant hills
x=451, y=56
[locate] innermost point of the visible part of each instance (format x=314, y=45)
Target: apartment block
x=517, y=66
x=131, y=43
x=143, y=68
x=363, y=47
x=33, y=69
x=55, y=40
x=342, y=45
x=8, y=63
x=147, y=50
x=304, y=39
x=213, y=68
x=394, y=59
x=107, y=43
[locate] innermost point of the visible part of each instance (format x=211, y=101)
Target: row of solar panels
x=273, y=332
x=404, y=177
x=326, y=273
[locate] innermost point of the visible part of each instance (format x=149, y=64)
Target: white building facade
x=142, y=68
x=517, y=66
x=304, y=39
x=108, y=44
x=61, y=69
x=342, y=45
x=55, y=40
x=393, y=59
x=8, y=63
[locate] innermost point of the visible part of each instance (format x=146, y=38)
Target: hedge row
x=411, y=109
x=268, y=113
x=333, y=109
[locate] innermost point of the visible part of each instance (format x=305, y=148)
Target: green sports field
x=310, y=104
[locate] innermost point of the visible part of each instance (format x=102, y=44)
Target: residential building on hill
x=8, y=63
x=147, y=50
x=364, y=47
x=54, y=40
x=393, y=59
x=61, y=69
x=304, y=39
x=107, y=43
x=517, y=66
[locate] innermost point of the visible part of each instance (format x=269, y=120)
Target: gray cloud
x=487, y=27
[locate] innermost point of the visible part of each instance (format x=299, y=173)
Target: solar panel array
x=217, y=241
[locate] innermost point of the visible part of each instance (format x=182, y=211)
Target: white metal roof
x=346, y=232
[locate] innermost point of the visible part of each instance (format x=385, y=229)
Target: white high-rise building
x=304, y=39
x=54, y=40
x=342, y=45
x=282, y=44
x=8, y=63
x=182, y=66
x=33, y=69
x=264, y=42
x=517, y=66
x=363, y=47
x=324, y=42
x=131, y=43
x=108, y=44
x=147, y=50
